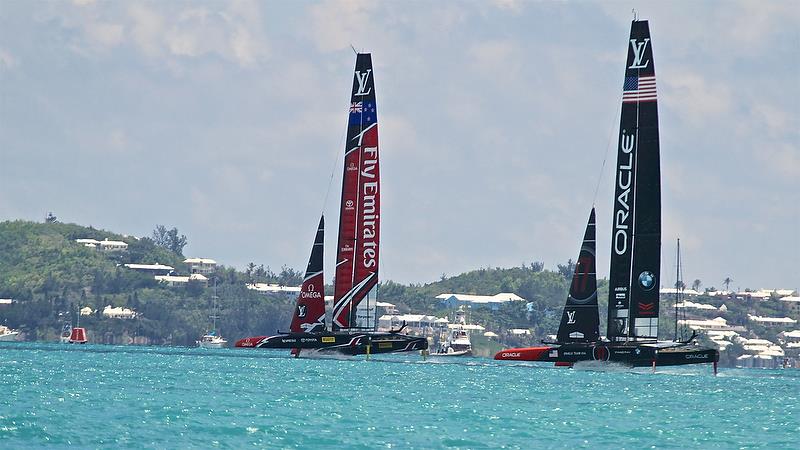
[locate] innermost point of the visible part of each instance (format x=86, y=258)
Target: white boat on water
x=457, y=342
x=66, y=332
x=7, y=334
x=211, y=339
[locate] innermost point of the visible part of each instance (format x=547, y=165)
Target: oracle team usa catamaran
x=633, y=297
x=353, y=329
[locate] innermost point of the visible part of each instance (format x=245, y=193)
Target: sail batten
x=634, y=274
x=359, y=214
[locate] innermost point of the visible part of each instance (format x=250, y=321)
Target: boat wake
x=602, y=366
x=316, y=353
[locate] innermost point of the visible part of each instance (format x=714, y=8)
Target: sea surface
x=96, y=396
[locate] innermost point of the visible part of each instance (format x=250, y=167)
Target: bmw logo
x=647, y=280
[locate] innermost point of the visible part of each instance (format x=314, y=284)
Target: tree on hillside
x=50, y=218
x=727, y=282
x=536, y=266
x=289, y=276
x=567, y=270
x=696, y=284
x=169, y=239
x=260, y=273
x=249, y=271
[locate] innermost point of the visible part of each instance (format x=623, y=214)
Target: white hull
x=211, y=342
x=9, y=337
x=459, y=353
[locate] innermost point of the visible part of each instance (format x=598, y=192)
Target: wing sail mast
x=636, y=228
x=359, y=217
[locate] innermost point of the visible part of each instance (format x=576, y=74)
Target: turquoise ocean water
x=54, y=395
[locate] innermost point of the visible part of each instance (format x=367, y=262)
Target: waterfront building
x=118, y=312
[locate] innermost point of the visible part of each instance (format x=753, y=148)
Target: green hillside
x=50, y=276
x=44, y=257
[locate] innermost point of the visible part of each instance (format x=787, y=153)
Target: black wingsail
x=580, y=321
x=636, y=229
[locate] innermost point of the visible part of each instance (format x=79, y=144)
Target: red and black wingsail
x=309, y=314
x=636, y=228
x=359, y=217
x=580, y=321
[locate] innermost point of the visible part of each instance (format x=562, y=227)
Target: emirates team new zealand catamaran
x=353, y=329
x=632, y=332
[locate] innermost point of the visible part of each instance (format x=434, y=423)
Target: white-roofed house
x=203, y=266
x=686, y=304
x=673, y=293
x=417, y=324
x=790, y=336
x=477, y=301
x=772, y=321
x=118, y=312
x=112, y=246
x=154, y=269
x=177, y=280
x=91, y=243
x=761, y=352
x=272, y=288
x=717, y=323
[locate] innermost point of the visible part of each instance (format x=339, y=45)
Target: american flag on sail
x=639, y=89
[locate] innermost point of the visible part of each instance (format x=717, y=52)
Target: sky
x=497, y=123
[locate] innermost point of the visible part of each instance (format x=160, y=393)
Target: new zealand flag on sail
x=362, y=113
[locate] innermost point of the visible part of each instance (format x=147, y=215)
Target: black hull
x=630, y=354
x=344, y=343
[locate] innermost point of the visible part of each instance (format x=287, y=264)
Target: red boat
x=78, y=336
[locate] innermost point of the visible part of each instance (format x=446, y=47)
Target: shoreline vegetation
x=50, y=277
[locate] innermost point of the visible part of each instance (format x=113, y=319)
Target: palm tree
x=727, y=282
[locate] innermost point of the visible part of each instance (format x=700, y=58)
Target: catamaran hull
x=345, y=343
x=631, y=355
